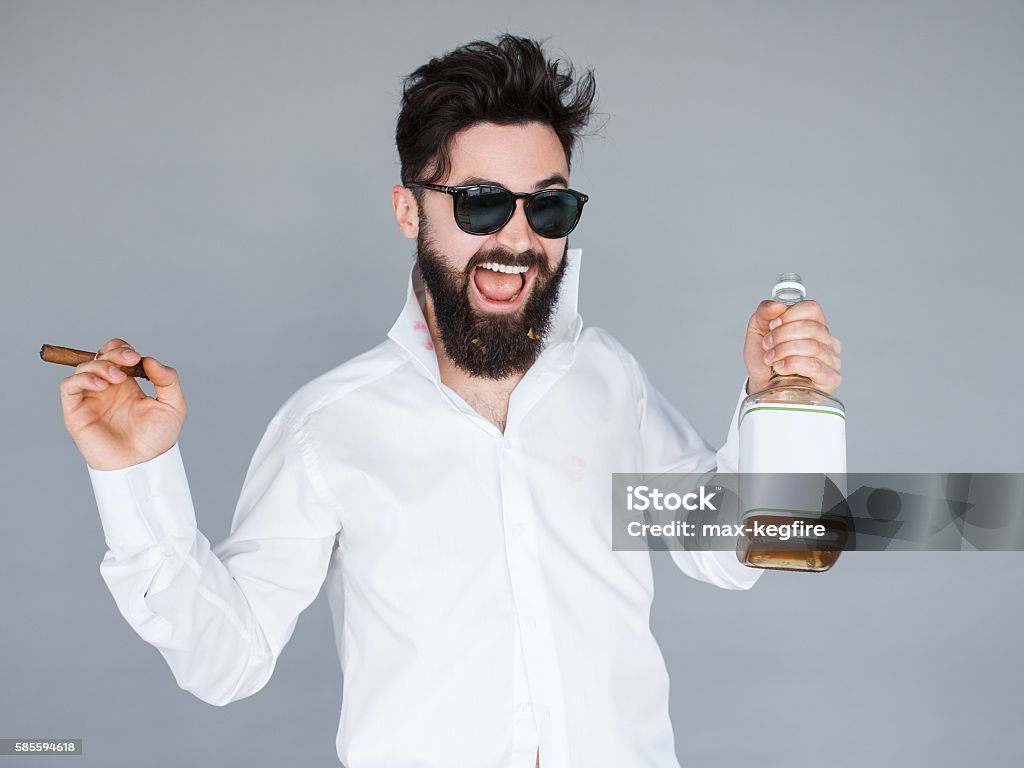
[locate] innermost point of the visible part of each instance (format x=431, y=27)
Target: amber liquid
x=817, y=553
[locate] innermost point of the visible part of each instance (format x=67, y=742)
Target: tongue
x=497, y=286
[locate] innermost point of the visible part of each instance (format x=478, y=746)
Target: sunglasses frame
x=456, y=192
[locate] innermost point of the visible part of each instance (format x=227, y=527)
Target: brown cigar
x=69, y=356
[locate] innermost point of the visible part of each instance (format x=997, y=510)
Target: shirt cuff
x=145, y=503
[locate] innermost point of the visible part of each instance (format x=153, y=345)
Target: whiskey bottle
x=792, y=467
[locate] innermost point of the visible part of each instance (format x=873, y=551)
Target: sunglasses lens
x=553, y=213
x=482, y=210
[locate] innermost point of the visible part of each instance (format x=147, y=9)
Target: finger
x=823, y=376
x=804, y=348
x=73, y=388
x=765, y=313
x=123, y=355
x=799, y=329
x=113, y=344
x=104, y=369
x=165, y=382
x=808, y=309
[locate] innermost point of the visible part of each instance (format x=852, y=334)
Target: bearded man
x=450, y=486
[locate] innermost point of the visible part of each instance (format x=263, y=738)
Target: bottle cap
x=789, y=288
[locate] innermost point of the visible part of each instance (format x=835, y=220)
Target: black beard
x=493, y=346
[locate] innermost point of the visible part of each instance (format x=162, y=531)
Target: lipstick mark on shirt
x=575, y=468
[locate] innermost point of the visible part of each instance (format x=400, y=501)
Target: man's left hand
x=791, y=340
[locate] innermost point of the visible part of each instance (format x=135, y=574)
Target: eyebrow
x=555, y=178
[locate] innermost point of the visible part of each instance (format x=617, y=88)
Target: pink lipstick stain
x=420, y=326
x=575, y=468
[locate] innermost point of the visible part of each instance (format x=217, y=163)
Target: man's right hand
x=112, y=421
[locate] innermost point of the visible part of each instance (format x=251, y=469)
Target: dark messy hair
x=508, y=82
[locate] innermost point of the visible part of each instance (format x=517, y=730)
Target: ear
x=406, y=211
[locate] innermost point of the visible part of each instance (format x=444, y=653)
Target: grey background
x=211, y=182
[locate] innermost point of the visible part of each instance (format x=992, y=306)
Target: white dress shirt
x=480, y=611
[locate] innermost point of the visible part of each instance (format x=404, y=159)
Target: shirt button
x=519, y=530
x=524, y=708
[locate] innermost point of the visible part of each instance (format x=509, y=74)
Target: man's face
x=491, y=322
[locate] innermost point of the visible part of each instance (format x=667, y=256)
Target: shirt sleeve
x=220, y=617
x=671, y=444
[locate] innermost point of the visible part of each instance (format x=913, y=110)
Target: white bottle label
x=778, y=437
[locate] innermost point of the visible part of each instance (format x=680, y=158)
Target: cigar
x=68, y=356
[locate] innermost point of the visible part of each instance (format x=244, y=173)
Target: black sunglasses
x=483, y=209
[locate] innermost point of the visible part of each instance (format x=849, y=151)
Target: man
x=451, y=485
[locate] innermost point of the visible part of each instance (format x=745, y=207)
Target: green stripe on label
x=790, y=408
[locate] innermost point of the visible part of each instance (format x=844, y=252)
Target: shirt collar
x=411, y=333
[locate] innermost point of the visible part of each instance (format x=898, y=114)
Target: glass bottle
x=792, y=464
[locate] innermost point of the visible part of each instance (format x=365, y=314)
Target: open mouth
x=500, y=286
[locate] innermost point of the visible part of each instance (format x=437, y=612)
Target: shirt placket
x=525, y=737
x=539, y=714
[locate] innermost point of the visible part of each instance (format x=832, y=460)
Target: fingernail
x=767, y=341
x=769, y=357
x=116, y=372
x=774, y=324
x=780, y=365
x=128, y=354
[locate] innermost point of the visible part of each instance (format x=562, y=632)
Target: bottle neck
x=792, y=387
x=793, y=379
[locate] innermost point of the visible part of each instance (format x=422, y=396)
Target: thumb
x=165, y=382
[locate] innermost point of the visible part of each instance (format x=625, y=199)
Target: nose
x=516, y=235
